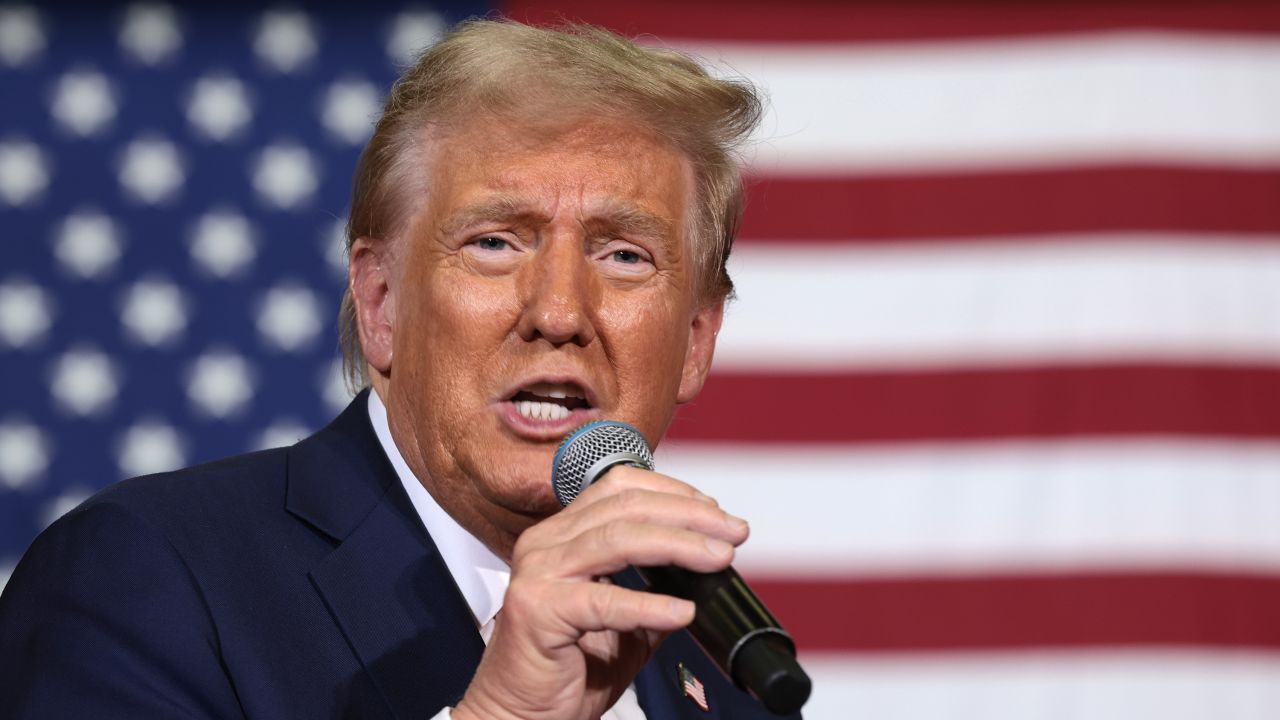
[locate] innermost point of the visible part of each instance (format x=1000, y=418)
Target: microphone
x=733, y=627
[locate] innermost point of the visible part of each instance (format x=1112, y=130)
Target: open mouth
x=550, y=401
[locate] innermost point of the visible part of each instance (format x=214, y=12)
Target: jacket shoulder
x=100, y=602
x=198, y=490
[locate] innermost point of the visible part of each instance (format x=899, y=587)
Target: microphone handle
x=730, y=623
x=738, y=633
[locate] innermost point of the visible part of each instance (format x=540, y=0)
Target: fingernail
x=719, y=548
x=738, y=523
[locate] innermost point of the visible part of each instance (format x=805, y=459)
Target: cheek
x=457, y=299
x=650, y=337
x=451, y=326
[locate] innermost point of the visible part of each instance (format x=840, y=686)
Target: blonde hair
x=503, y=66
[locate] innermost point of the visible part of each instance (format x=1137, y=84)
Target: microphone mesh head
x=576, y=462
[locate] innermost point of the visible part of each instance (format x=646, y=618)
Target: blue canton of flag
x=173, y=188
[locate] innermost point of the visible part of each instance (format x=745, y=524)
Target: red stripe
x=833, y=21
x=1074, y=610
x=985, y=403
x=844, y=209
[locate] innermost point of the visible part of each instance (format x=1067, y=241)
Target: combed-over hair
x=504, y=66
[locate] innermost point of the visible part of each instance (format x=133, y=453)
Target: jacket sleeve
x=103, y=619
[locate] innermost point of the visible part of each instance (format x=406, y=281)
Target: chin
x=523, y=485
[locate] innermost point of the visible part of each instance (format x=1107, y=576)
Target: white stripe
x=1071, y=98
x=1061, y=300
x=1007, y=506
x=1120, y=685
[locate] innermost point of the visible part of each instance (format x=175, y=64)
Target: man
x=537, y=240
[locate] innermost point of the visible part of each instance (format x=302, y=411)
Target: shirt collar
x=481, y=575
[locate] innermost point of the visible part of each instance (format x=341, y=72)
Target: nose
x=558, y=295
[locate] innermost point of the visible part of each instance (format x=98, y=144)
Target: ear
x=369, y=279
x=703, y=329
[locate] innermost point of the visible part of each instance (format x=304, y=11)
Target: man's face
x=545, y=283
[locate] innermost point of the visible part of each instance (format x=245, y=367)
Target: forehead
x=585, y=167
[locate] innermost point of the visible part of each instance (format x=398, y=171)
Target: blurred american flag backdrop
x=1000, y=396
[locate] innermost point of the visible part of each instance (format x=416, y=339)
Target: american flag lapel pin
x=692, y=687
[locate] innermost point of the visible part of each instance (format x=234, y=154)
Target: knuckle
x=603, y=605
x=616, y=480
x=612, y=535
x=608, y=480
x=521, y=595
x=523, y=547
x=531, y=560
x=630, y=499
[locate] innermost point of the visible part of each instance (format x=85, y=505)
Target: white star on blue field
x=172, y=196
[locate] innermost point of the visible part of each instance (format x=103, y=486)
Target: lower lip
x=532, y=429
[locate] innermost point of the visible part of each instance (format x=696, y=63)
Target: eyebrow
x=611, y=217
x=504, y=207
x=617, y=216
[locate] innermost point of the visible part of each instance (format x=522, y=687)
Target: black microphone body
x=730, y=623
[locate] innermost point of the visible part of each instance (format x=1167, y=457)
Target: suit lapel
x=658, y=684
x=399, y=609
x=657, y=687
x=384, y=583
x=393, y=599
x=657, y=697
x=662, y=695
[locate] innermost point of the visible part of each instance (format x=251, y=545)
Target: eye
x=627, y=257
x=494, y=252
x=491, y=243
x=623, y=259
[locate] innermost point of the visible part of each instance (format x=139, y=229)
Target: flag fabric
x=174, y=180
x=1000, y=394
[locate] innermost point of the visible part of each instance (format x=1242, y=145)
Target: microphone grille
x=590, y=450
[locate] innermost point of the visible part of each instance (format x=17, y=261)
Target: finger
x=624, y=477
x=589, y=607
x=659, y=508
x=609, y=548
x=621, y=480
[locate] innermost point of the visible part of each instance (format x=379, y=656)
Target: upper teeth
x=542, y=410
x=558, y=392
x=538, y=408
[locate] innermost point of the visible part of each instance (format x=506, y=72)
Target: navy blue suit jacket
x=289, y=583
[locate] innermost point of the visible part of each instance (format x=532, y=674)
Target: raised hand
x=568, y=642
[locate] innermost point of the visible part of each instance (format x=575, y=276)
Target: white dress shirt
x=481, y=575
